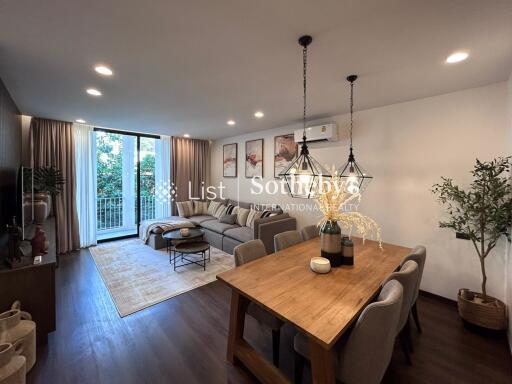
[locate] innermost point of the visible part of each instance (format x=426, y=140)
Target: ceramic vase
x=40, y=211
x=12, y=364
x=46, y=197
x=330, y=242
x=16, y=325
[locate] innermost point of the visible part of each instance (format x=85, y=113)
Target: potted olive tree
x=483, y=214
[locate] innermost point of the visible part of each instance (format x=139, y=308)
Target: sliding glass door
x=125, y=179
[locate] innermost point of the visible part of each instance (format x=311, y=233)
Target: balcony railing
x=109, y=211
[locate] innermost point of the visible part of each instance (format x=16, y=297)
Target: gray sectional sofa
x=228, y=236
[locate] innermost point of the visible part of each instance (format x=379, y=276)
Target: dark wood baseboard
x=441, y=299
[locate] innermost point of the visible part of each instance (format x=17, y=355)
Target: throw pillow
x=228, y=219
x=214, y=205
x=241, y=216
x=230, y=208
x=200, y=207
x=266, y=213
x=185, y=208
x=253, y=215
x=221, y=211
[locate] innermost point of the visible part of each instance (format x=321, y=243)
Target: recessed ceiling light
x=231, y=122
x=457, y=57
x=258, y=114
x=103, y=70
x=93, y=92
x=186, y=135
x=81, y=121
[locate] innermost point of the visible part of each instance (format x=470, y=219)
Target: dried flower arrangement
x=335, y=203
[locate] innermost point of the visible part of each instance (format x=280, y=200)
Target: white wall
x=407, y=147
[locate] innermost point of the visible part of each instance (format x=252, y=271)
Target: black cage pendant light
x=304, y=176
x=355, y=177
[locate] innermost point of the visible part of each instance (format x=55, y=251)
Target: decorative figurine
x=39, y=243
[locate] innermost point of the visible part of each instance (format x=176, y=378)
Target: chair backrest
x=408, y=277
x=249, y=251
x=365, y=356
x=419, y=255
x=310, y=232
x=286, y=239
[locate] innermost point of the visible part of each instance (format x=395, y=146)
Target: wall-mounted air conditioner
x=324, y=132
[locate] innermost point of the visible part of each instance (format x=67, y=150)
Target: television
x=9, y=202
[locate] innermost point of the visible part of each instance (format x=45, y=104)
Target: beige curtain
x=190, y=162
x=53, y=146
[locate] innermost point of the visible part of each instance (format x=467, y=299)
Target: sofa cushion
x=212, y=207
x=200, y=208
x=240, y=204
x=253, y=215
x=228, y=219
x=185, y=208
x=216, y=226
x=221, y=211
x=230, y=209
x=241, y=217
x=242, y=234
x=200, y=219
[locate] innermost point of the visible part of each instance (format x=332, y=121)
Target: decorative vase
x=47, y=198
x=40, y=211
x=330, y=242
x=12, y=365
x=16, y=325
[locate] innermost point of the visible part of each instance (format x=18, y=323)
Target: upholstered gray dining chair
x=408, y=276
x=249, y=251
x=245, y=253
x=286, y=239
x=419, y=255
x=362, y=356
x=310, y=232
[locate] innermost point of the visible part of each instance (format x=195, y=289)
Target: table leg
x=236, y=323
x=322, y=364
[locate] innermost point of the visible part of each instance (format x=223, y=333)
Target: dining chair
x=249, y=251
x=407, y=276
x=363, y=355
x=419, y=255
x=310, y=232
x=245, y=253
x=286, y=239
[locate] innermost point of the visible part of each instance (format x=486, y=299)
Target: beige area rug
x=137, y=276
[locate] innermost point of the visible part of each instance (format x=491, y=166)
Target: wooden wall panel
x=10, y=155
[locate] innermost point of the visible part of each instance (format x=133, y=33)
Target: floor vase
x=12, y=365
x=15, y=326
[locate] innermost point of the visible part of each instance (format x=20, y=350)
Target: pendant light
x=355, y=177
x=304, y=176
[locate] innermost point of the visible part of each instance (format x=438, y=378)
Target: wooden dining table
x=322, y=306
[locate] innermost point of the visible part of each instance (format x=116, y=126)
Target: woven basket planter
x=490, y=314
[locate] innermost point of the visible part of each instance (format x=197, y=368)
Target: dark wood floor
x=183, y=340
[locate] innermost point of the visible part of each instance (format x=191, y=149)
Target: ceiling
x=188, y=66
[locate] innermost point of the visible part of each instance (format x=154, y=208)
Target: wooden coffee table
x=182, y=248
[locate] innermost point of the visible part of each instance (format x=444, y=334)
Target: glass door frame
x=138, y=213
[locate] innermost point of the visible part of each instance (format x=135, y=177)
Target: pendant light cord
x=351, y=112
x=305, y=63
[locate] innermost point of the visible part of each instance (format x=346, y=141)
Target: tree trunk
x=482, y=260
x=484, y=278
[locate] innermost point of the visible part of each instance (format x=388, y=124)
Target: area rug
x=137, y=276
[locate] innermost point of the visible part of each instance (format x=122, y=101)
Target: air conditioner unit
x=324, y=132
